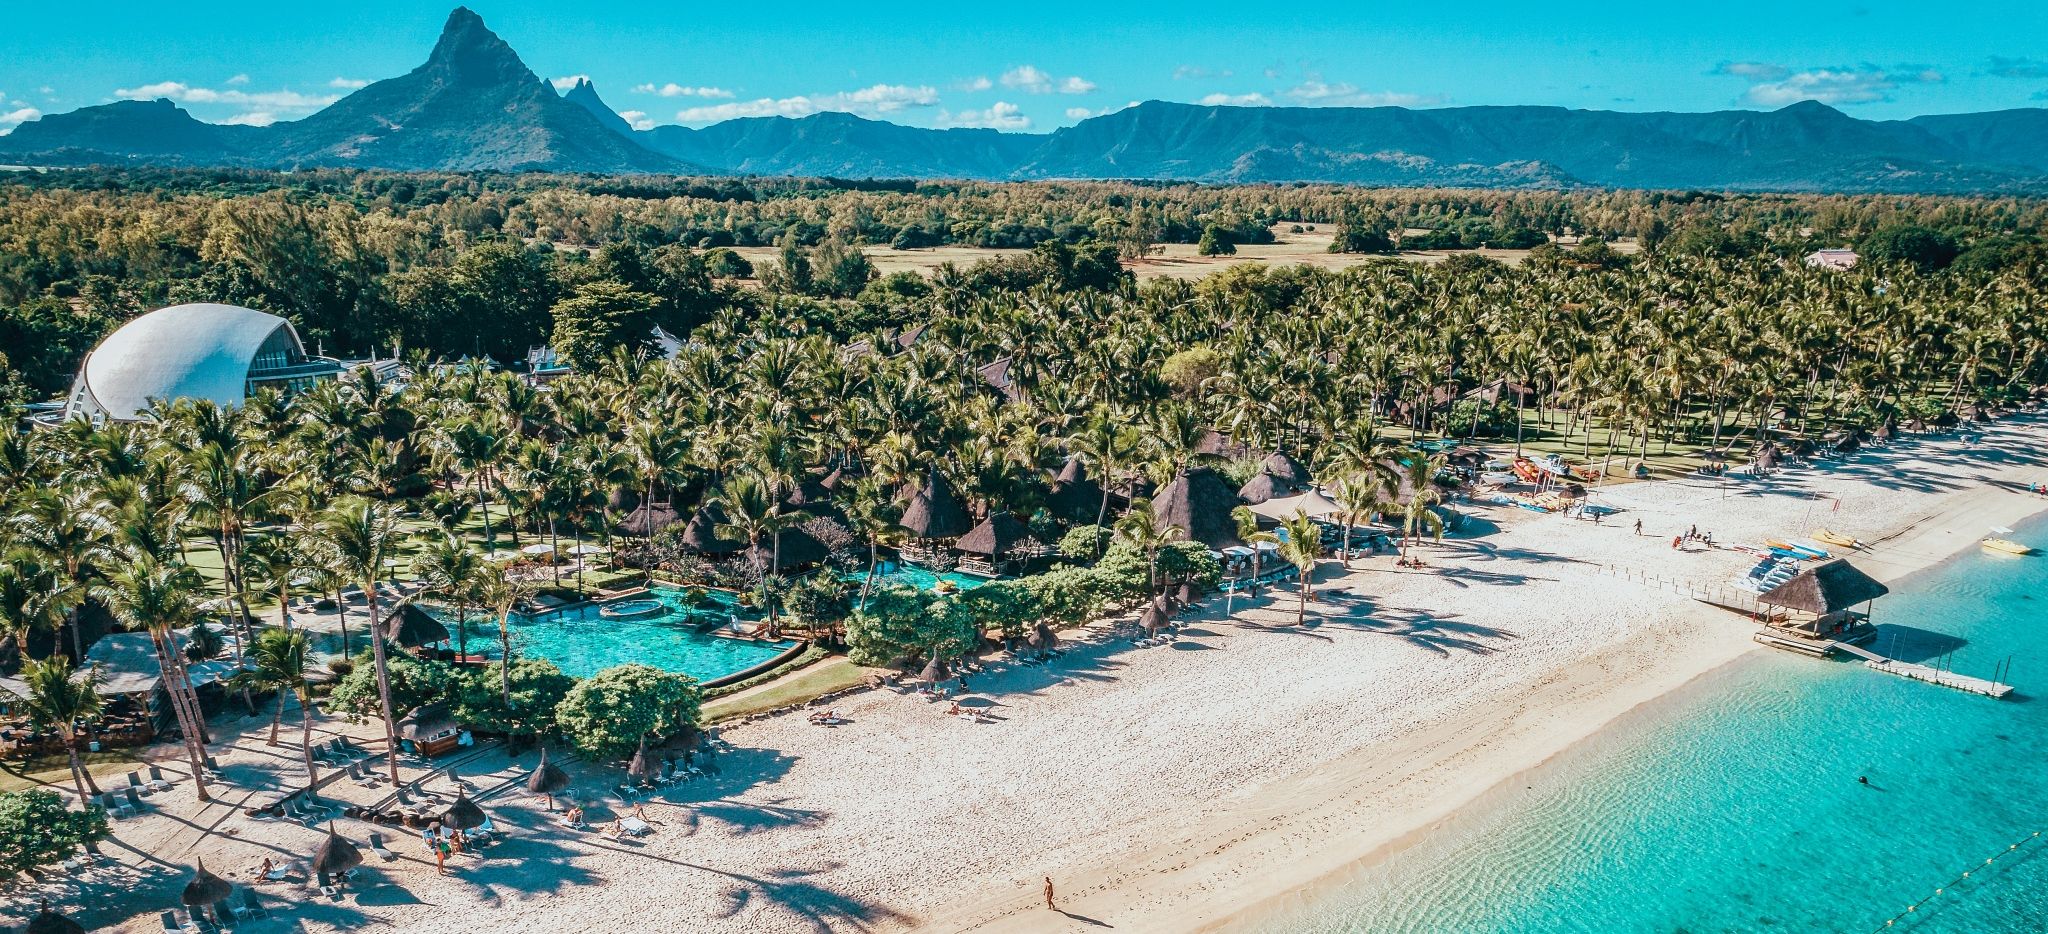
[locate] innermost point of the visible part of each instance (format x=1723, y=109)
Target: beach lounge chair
x=635, y=827
x=383, y=852
x=134, y=799
x=170, y=923
x=200, y=922
x=135, y=782
x=115, y=807
x=250, y=906
x=157, y=780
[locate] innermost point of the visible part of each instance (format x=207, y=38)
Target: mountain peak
x=584, y=94
x=468, y=52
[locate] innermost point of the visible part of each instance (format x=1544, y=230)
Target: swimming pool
x=582, y=641
x=894, y=573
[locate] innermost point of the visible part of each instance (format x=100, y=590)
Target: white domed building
x=202, y=351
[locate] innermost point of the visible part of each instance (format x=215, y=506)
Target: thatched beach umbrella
x=1186, y=593
x=463, y=814
x=1198, y=502
x=1917, y=426
x=935, y=671
x=640, y=769
x=701, y=535
x=1885, y=432
x=335, y=855
x=205, y=890
x=48, y=921
x=934, y=511
x=995, y=536
x=547, y=779
x=1043, y=637
x=1713, y=457
x=1154, y=618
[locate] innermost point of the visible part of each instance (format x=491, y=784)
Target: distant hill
x=475, y=105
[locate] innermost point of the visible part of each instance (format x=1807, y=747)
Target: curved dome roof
x=200, y=351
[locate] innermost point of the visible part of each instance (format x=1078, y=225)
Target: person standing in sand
x=1048, y=892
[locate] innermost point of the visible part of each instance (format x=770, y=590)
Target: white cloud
x=565, y=82
x=673, y=89
x=252, y=118
x=1193, y=72
x=1314, y=92
x=977, y=83
x=1028, y=78
x=1032, y=80
x=1253, y=99
x=1001, y=115
x=868, y=101
x=1079, y=113
x=1861, y=84
x=637, y=119
x=348, y=84
x=285, y=101
x=237, y=80
x=15, y=118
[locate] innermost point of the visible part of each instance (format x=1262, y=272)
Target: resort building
x=221, y=353
x=1838, y=259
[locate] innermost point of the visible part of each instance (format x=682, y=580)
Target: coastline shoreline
x=1308, y=832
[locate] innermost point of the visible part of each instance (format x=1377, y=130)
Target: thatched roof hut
x=1502, y=389
x=798, y=549
x=996, y=536
x=1268, y=486
x=205, y=889
x=934, y=511
x=463, y=814
x=833, y=479
x=1825, y=589
x=427, y=721
x=416, y=627
x=1198, y=502
x=48, y=921
x=1280, y=465
x=809, y=494
x=547, y=778
x=647, y=519
x=1074, y=494
x=335, y=854
x=1219, y=444
x=701, y=535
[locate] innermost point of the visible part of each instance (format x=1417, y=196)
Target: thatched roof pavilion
x=647, y=519
x=996, y=536
x=1219, y=444
x=1074, y=494
x=1280, y=465
x=934, y=511
x=416, y=627
x=427, y=721
x=1825, y=589
x=798, y=548
x=1268, y=486
x=701, y=535
x=1198, y=502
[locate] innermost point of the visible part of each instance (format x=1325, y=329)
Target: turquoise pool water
x=1734, y=805
x=581, y=642
x=907, y=575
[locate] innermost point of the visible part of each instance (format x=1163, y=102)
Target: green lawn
x=824, y=677
x=41, y=771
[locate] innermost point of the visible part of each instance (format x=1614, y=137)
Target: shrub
x=606, y=715
x=36, y=829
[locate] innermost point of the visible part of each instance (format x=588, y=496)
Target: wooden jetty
x=1823, y=648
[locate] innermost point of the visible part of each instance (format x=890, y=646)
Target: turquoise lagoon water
x=582, y=642
x=1734, y=806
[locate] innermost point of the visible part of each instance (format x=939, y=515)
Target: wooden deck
x=1823, y=648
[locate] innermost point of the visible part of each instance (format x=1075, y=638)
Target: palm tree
x=1418, y=473
x=1248, y=532
x=1111, y=444
x=753, y=514
x=67, y=530
x=277, y=662
x=874, y=514
x=148, y=593
x=222, y=492
x=270, y=563
x=1302, y=546
x=451, y=570
x=499, y=592
x=355, y=534
x=1142, y=529
x=55, y=701
x=32, y=598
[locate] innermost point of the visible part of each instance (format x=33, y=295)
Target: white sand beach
x=1165, y=788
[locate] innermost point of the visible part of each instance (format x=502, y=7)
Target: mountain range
x=474, y=105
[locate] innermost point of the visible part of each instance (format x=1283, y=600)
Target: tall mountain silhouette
x=474, y=105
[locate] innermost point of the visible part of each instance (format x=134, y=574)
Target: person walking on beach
x=1639, y=526
x=1048, y=893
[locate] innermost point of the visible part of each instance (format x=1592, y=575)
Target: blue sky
x=1037, y=66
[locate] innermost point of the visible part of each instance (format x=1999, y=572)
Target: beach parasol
x=1153, y=619
x=1186, y=594
x=935, y=670
x=335, y=855
x=537, y=549
x=463, y=814
x=205, y=889
x=1046, y=637
x=415, y=627
x=547, y=780
x=1713, y=457
x=48, y=921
